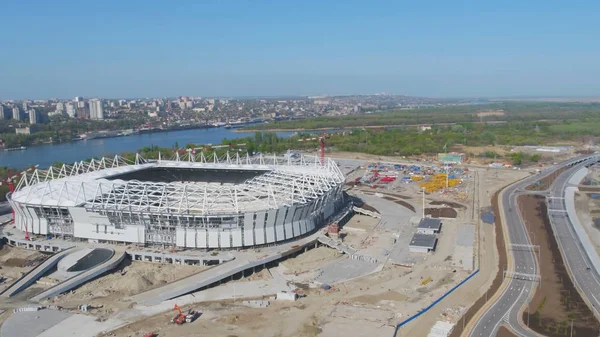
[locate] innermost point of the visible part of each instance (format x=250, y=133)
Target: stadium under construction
x=230, y=202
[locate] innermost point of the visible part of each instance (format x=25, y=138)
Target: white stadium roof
x=286, y=181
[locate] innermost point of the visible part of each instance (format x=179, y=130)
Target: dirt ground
x=444, y=212
x=448, y=204
x=361, y=222
x=478, y=150
x=384, y=297
x=311, y=260
x=392, y=197
x=371, y=157
x=505, y=332
x=129, y=278
x=228, y=320
x=593, y=178
x=557, y=301
x=12, y=261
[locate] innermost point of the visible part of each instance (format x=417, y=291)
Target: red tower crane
x=322, y=147
x=10, y=181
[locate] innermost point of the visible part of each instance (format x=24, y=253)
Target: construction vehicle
x=180, y=317
x=427, y=280
x=191, y=316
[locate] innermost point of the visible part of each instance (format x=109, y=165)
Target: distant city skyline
x=142, y=49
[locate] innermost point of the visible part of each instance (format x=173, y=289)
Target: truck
x=191, y=316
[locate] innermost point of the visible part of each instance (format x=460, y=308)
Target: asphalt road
x=521, y=288
x=574, y=254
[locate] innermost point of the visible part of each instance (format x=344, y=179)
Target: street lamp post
x=423, y=189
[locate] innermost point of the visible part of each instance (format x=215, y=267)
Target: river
x=45, y=155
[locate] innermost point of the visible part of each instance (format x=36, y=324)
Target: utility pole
x=423, y=188
x=447, y=175
x=571, y=328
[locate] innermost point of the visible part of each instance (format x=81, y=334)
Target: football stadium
x=231, y=202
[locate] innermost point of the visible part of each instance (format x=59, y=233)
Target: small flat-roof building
x=429, y=226
x=422, y=243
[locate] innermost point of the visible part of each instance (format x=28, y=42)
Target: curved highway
x=521, y=287
x=578, y=262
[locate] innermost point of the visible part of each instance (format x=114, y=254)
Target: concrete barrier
x=41, y=246
x=366, y=212
x=26, y=309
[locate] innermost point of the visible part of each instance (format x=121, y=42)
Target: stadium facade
x=230, y=202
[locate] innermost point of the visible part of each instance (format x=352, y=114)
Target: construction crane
x=321, y=145
x=180, y=317
x=427, y=280
x=10, y=181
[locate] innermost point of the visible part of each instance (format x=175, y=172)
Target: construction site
x=412, y=233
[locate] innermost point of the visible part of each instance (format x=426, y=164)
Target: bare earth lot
x=128, y=279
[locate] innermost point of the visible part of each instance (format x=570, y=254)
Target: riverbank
x=350, y=128
x=70, y=152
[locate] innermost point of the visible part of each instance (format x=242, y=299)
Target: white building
x=55, y=113
x=34, y=116
x=2, y=115
x=60, y=106
x=96, y=109
x=16, y=113
x=71, y=110
x=23, y=131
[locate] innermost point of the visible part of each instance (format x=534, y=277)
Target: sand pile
x=312, y=259
x=130, y=280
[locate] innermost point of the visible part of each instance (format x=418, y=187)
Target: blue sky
x=149, y=48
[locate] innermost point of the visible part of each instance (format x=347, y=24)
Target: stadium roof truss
x=286, y=181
